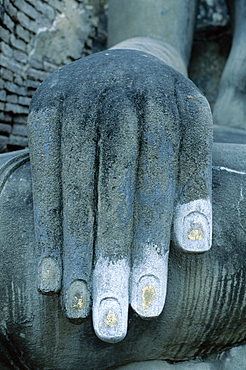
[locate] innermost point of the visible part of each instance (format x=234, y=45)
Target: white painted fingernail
x=193, y=226
x=110, y=299
x=49, y=275
x=110, y=326
x=77, y=300
x=149, y=283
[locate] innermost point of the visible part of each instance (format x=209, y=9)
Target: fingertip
x=193, y=226
x=110, y=320
x=110, y=299
x=49, y=275
x=77, y=300
x=149, y=283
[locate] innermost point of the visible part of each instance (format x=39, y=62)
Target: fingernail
x=148, y=298
x=77, y=300
x=49, y=275
x=196, y=233
x=110, y=325
x=110, y=299
x=149, y=283
x=193, y=226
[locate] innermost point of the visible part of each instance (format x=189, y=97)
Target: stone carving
x=205, y=305
x=120, y=149
x=111, y=150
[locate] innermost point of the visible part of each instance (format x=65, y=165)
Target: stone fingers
x=193, y=213
x=44, y=142
x=118, y=151
x=78, y=175
x=153, y=215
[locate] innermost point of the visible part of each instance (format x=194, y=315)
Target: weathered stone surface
x=87, y=27
x=199, y=286
x=28, y=51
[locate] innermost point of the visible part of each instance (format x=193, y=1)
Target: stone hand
x=120, y=147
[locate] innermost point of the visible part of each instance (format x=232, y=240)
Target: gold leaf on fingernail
x=110, y=320
x=195, y=235
x=148, y=295
x=78, y=303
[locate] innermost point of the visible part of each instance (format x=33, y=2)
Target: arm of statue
x=120, y=147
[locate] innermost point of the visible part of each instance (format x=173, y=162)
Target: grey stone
x=14, y=88
x=26, y=22
x=135, y=18
x=19, y=141
x=26, y=8
x=45, y=9
x=3, y=143
x=19, y=130
x=12, y=99
x=5, y=34
x=51, y=42
x=8, y=22
x=18, y=44
x=22, y=33
x=212, y=13
x=3, y=95
x=23, y=100
x=5, y=128
x=152, y=97
x=7, y=74
x=10, y=64
x=20, y=56
x=6, y=49
x=15, y=108
x=199, y=284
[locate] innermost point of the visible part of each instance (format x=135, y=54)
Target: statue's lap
x=206, y=299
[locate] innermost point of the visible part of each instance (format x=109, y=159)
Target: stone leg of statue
x=230, y=107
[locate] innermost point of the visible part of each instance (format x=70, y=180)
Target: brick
x=3, y=143
x=22, y=33
x=26, y=22
x=11, y=87
x=45, y=9
x=5, y=128
x=56, y=4
x=23, y=100
x=7, y=74
x=18, y=140
x=18, y=80
x=12, y=98
x=50, y=67
x=21, y=119
x=7, y=21
x=15, y=108
x=10, y=64
x=6, y=49
x=3, y=95
x=37, y=75
x=5, y=117
x=10, y=10
x=20, y=130
x=31, y=84
x=26, y=8
x=5, y=34
x=35, y=63
x=20, y=56
x=17, y=43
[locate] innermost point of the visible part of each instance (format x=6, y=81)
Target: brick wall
x=37, y=37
